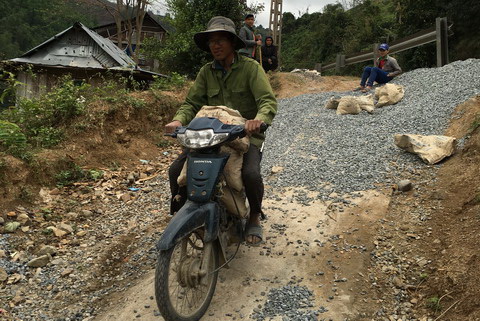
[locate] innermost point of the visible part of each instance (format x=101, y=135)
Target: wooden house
x=80, y=52
x=152, y=27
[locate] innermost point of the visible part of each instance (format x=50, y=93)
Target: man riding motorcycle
x=237, y=82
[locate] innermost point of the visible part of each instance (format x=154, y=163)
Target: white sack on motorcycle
x=236, y=149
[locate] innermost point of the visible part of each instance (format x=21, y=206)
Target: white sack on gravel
x=366, y=103
x=431, y=149
x=348, y=105
x=332, y=103
x=389, y=94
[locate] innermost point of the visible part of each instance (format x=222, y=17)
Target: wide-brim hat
x=217, y=24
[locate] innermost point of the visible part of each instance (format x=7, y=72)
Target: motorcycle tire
x=174, y=282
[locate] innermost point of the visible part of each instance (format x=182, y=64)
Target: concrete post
x=441, y=29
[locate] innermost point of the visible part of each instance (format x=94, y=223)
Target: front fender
x=190, y=217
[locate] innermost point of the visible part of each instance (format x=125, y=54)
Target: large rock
x=23, y=218
x=3, y=275
x=40, y=261
x=47, y=249
x=57, y=232
x=348, y=105
x=389, y=94
x=431, y=149
x=66, y=227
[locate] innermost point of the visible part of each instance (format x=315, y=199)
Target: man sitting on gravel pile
x=237, y=82
x=385, y=69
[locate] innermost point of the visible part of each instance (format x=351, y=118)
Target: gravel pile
x=328, y=153
x=291, y=302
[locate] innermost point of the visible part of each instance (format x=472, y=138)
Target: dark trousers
x=269, y=66
x=252, y=179
x=374, y=74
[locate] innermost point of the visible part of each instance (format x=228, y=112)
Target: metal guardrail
x=438, y=33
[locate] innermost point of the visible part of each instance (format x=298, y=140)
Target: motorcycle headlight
x=201, y=138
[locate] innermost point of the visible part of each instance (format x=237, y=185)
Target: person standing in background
x=247, y=35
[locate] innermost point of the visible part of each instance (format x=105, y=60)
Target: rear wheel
x=185, y=278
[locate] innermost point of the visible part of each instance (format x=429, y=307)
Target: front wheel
x=185, y=278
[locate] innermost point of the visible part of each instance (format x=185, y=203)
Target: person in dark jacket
x=385, y=69
x=269, y=55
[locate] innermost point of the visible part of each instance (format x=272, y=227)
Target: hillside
x=386, y=255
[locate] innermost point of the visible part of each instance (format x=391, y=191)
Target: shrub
x=12, y=139
x=41, y=119
x=169, y=83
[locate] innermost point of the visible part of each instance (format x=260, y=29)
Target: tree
x=179, y=53
x=128, y=16
x=27, y=23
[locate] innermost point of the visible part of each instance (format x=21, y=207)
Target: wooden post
x=442, y=41
x=338, y=63
x=375, y=52
x=318, y=67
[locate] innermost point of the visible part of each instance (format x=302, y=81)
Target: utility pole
x=276, y=24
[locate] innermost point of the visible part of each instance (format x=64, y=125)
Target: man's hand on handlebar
x=170, y=127
x=253, y=126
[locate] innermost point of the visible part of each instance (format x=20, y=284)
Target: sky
x=293, y=6
x=296, y=7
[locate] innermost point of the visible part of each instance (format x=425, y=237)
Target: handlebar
x=263, y=129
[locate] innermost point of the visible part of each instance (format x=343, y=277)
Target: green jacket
x=244, y=88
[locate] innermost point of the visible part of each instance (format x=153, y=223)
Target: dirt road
x=309, y=246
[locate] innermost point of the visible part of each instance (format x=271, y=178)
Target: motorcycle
x=192, y=248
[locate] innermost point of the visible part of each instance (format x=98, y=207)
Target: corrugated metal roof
x=78, y=46
x=108, y=20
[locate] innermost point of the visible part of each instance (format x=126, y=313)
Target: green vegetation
x=433, y=303
x=476, y=199
x=75, y=174
x=11, y=138
x=43, y=122
x=27, y=23
x=179, y=53
x=40, y=122
x=306, y=40
x=175, y=81
x=26, y=194
x=475, y=124
x=318, y=37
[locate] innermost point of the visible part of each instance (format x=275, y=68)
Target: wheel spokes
x=187, y=290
